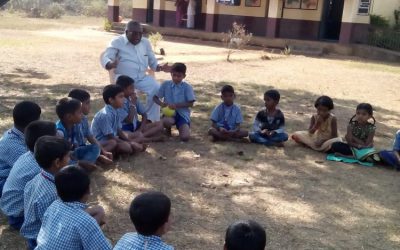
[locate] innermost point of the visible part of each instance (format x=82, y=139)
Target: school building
x=345, y=21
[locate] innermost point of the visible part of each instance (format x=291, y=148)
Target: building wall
x=385, y=8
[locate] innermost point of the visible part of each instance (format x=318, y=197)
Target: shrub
x=154, y=38
x=107, y=25
x=53, y=11
x=378, y=21
x=236, y=39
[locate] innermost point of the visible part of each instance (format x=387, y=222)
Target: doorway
x=150, y=10
x=331, y=19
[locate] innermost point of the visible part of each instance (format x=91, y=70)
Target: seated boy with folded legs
x=227, y=117
x=142, y=131
x=24, y=170
x=150, y=213
x=69, y=223
x=107, y=126
x=85, y=134
x=269, y=124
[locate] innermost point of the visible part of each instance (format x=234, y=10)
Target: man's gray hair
x=134, y=26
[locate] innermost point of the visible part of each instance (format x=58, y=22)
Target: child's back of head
x=68, y=106
x=245, y=235
x=124, y=81
x=48, y=149
x=79, y=94
x=72, y=183
x=37, y=129
x=24, y=113
x=150, y=212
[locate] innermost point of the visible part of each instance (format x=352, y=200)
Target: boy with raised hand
x=69, y=223
x=150, y=213
x=52, y=154
x=12, y=143
x=24, y=170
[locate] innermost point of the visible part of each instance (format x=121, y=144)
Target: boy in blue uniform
x=12, y=143
x=84, y=132
x=68, y=223
x=52, y=154
x=107, y=126
x=245, y=235
x=24, y=170
x=179, y=96
x=226, y=118
x=269, y=124
x=392, y=157
x=142, y=131
x=69, y=111
x=150, y=213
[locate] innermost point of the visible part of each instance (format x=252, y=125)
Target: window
x=301, y=4
x=229, y=2
x=363, y=7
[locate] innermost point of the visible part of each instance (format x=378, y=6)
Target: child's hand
x=172, y=106
x=107, y=154
x=98, y=213
x=271, y=133
x=264, y=131
x=223, y=130
x=133, y=98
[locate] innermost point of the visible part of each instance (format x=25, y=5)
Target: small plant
x=236, y=39
x=378, y=21
x=54, y=11
x=107, y=25
x=154, y=39
x=287, y=51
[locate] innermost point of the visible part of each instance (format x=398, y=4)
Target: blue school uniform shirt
x=224, y=116
x=78, y=134
x=12, y=146
x=66, y=225
x=106, y=122
x=396, y=144
x=39, y=193
x=263, y=120
x=138, y=241
x=124, y=112
x=23, y=171
x=177, y=93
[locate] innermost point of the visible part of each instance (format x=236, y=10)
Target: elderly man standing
x=131, y=54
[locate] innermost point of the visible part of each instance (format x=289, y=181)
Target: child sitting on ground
x=322, y=131
x=245, y=235
x=392, y=157
x=359, y=136
x=107, y=126
x=150, y=213
x=24, y=170
x=227, y=117
x=143, y=131
x=177, y=95
x=269, y=124
x=52, y=154
x=69, y=223
x=84, y=132
x=69, y=111
x=12, y=143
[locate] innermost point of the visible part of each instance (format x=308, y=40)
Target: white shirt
x=134, y=60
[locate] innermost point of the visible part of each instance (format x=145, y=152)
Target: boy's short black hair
x=79, y=94
x=37, y=129
x=273, y=94
x=179, y=68
x=67, y=105
x=49, y=148
x=325, y=101
x=72, y=183
x=111, y=91
x=227, y=89
x=244, y=235
x=24, y=113
x=124, y=81
x=149, y=211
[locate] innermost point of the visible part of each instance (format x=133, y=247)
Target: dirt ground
x=303, y=201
